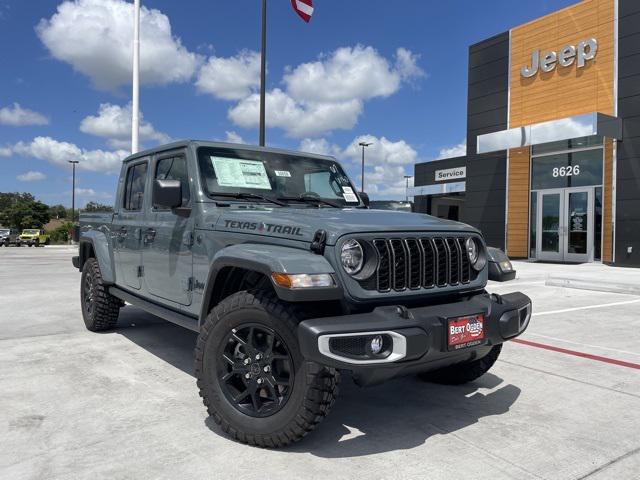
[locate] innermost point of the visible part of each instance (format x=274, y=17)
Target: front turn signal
x=303, y=280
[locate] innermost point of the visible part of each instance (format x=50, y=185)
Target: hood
x=302, y=223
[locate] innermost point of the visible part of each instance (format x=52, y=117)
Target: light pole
x=363, y=145
x=407, y=177
x=135, y=94
x=73, y=191
x=263, y=72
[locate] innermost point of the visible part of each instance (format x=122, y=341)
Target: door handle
x=149, y=235
x=121, y=234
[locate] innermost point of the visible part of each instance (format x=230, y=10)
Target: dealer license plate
x=465, y=332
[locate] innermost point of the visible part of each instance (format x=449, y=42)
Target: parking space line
x=586, y=307
x=617, y=350
x=589, y=356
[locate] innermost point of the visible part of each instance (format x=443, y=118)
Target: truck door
x=127, y=226
x=168, y=236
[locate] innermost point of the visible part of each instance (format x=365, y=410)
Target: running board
x=162, y=312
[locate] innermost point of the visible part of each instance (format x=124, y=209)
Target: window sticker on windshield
x=347, y=189
x=235, y=172
x=350, y=197
x=282, y=173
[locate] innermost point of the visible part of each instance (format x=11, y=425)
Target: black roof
x=208, y=143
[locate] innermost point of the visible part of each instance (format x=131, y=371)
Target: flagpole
x=135, y=94
x=263, y=72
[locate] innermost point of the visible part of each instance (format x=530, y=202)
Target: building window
x=574, y=143
x=562, y=170
x=533, y=219
x=597, y=225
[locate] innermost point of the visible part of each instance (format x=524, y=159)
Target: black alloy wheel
x=88, y=294
x=256, y=370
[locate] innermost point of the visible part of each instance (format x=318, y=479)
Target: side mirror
x=167, y=193
x=365, y=199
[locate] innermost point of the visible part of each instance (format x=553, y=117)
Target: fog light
x=506, y=266
x=376, y=344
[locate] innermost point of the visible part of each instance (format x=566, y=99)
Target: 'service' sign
x=451, y=174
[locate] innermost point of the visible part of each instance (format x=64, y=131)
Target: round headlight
x=474, y=251
x=352, y=257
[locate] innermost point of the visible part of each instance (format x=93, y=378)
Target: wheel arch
x=233, y=262
x=95, y=245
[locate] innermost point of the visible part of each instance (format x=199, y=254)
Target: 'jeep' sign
x=580, y=54
x=451, y=174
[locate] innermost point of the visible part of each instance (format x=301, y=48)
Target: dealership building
x=552, y=168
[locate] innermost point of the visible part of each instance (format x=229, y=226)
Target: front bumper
x=419, y=334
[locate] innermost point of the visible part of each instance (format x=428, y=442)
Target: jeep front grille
x=414, y=263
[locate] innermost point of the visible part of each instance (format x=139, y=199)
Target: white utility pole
x=135, y=100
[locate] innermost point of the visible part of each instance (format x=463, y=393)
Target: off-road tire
x=464, y=372
x=314, y=389
x=106, y=307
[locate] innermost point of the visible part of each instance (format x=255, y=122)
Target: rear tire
x=270, y=409
x=464, y=372
x=100, y=309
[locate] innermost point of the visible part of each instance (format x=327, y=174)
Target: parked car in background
x=9, y=236
x=391, y=205
x=34, y=237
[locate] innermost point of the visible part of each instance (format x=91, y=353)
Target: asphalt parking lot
x=563, y=405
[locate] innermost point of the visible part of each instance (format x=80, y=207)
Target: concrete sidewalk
x=586, y=276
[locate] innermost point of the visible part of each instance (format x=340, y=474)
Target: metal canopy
x=556, y=130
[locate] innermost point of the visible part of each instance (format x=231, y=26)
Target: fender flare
x=268, y=259
x=100, y=244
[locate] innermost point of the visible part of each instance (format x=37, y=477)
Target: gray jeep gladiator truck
x=290, y=280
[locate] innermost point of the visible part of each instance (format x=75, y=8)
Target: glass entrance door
x=550, y=209
x=565, y=221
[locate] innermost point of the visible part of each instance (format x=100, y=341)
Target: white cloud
x=232, y=78
x=382, y=152
x=59, y=153
x=16, y=116
x=113, y=122
x=407, y=65
x=85, y=192
x=95, y=37
x=458, y=150
x=350, y=73
x=386, y=162
x=233, y=137
x=31, y=176
x=296, y=118
x=386, y=182
x=321, y=146
x=328, y=94
x=5, y=151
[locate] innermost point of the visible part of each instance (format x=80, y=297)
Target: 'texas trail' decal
x=264, y=227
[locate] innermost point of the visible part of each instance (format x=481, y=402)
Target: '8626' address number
x=569, y=171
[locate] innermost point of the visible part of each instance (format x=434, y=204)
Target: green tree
x=12, y=198
x=59, y=211
x=26, y=212
x=97, y=207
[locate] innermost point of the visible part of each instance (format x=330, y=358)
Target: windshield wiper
x=249, y=196
x=305, y=197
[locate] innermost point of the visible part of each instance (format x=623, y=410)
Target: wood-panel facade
x=564, y=91
x=561, y=93
x=518, y=201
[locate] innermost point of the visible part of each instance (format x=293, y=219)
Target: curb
x=582, y=284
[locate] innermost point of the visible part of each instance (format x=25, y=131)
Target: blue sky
x=391, y=72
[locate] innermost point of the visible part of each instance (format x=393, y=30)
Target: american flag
x=304, y=9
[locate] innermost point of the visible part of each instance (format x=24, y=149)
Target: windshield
x=31, y=232
x=274, y=175
x=4, y=231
